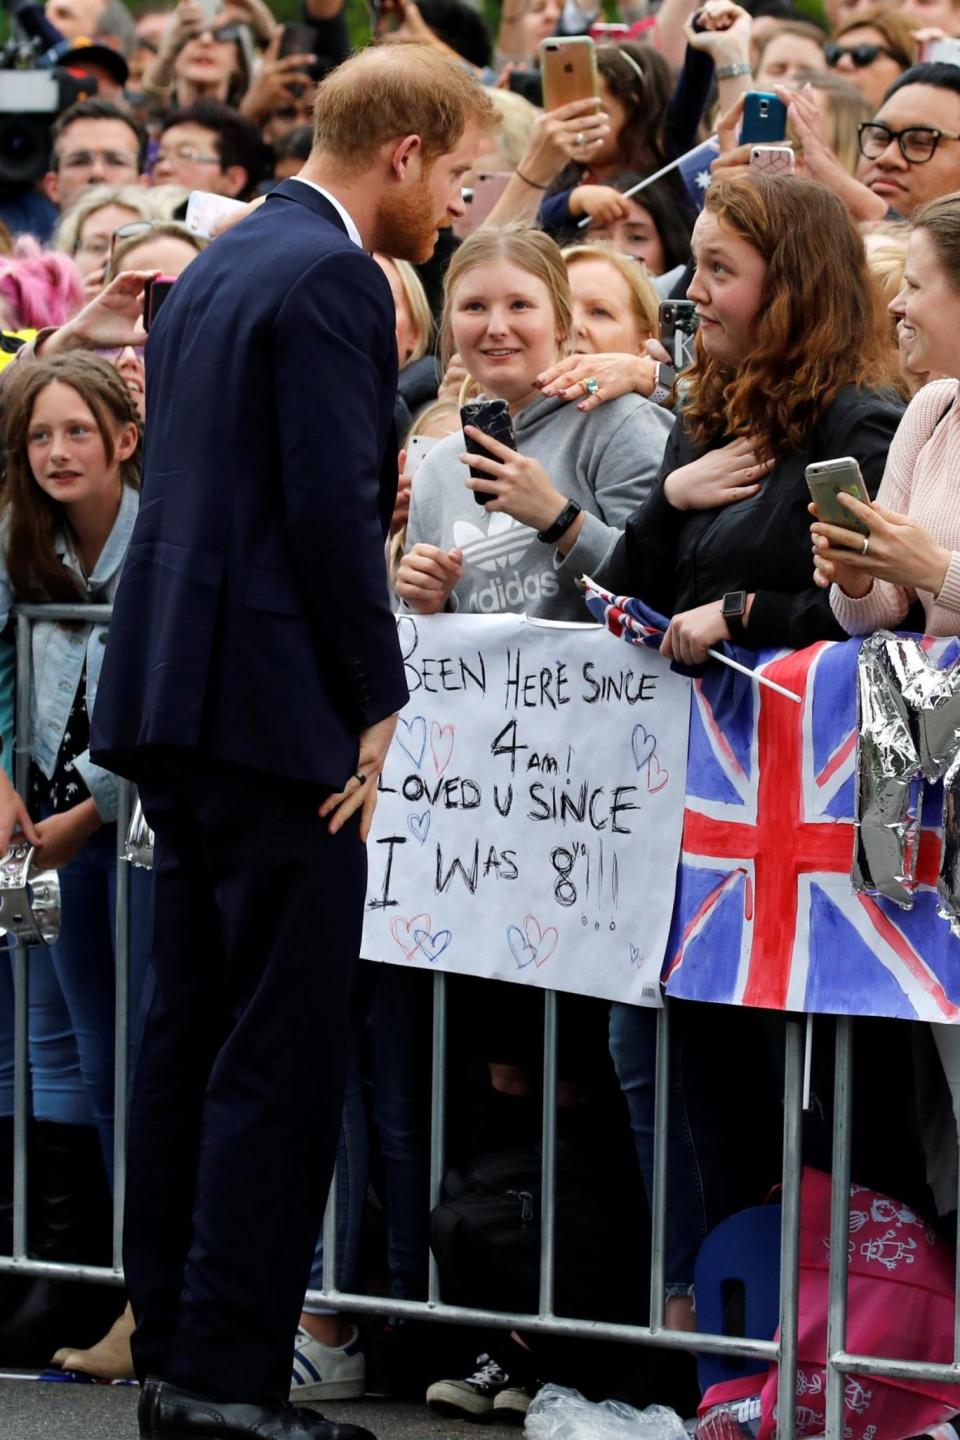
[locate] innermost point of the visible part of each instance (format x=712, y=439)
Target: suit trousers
x=238, y=1087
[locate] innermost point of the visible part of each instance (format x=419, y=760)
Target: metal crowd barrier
x=840, y=1363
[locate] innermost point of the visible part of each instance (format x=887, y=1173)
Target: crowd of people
x=828, y=305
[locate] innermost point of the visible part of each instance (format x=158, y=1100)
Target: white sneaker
x=327, y=1372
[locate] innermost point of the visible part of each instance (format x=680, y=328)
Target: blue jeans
x=694, y=1164
x=392, y=1015
x=72, y=995
x=56, y=1085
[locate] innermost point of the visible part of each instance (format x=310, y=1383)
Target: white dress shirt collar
x=344, y=214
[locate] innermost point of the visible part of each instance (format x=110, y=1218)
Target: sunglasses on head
x=861, y=55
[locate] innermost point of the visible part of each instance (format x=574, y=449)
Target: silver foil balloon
x=138, y=847
x=29, y=898
x=909, y=712
x=887, y=777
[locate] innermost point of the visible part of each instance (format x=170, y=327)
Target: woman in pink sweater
x=913, y=550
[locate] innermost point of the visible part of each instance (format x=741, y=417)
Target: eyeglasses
x=113, y=352
x=128, y=231
x=112, y=160
x=917, y=144
x=188, y=153
x=861, y=55
x=223, y=33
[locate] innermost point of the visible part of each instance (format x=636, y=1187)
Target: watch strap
x=561, y=525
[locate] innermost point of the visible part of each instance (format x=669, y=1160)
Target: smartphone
x=568, y=64
x=942, y=52
x=678, y=328
x=529, y=84
x=154, y=293
x=608, y=32
x=826, y=479
x=300, y=40
x=488, y=186
x=493, y=418
x=418, y=447
x=764, y=119
x=773, y=160
x=205, y=211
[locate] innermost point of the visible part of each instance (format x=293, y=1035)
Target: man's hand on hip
x=360, y=791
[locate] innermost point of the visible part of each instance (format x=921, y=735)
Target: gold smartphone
x=829, y=478
x=568, y=64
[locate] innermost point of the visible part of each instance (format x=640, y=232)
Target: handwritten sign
x=531, y=807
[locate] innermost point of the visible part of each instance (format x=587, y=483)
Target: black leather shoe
x=166, y=1413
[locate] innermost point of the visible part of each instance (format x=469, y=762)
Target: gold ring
x=592, y=385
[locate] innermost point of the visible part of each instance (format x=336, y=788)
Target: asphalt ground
x=33, y=1409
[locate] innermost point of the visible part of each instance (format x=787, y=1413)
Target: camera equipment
x=34, y=89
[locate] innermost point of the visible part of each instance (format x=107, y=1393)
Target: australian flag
x=694, y=169
x=765, y=913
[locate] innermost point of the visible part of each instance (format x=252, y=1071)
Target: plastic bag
x=559, y=1414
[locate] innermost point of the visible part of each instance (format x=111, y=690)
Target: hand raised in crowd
x=693, y=632
x=571, y=132
x=427, y=576
x=114, y=317
x=273, y=82
x=61, y=837
x=720, y=477
x=14, y=816
x=899, y=551
x=452, y=382
x=186, y=22
x=615, y=375
x=401, y=508
x=820, y=162
x=518, y=483
x=724, y=33
x=361, y=794
x=600, y=202
x=255, y=14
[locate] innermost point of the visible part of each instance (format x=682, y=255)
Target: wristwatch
x=733, y=607
x=664, y=384
x=561, y=525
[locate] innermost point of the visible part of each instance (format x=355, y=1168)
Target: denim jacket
x=59, y=652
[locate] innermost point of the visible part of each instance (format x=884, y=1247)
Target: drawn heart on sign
x=419, y=825
x=405, y=932
x=441, y=745
x=432, y=946
x=642, y=745
x=532, y=945
x=635, y=956
x=411, y=736
x=657, y=776
x=407, y=636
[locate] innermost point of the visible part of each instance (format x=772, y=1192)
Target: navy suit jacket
x=252, y=621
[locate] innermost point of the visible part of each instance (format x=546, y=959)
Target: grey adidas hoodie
x=606, y=460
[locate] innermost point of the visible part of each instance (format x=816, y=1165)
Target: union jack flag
x=765, y=913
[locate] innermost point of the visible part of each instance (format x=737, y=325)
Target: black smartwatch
x=561, y=525
x=733, y=607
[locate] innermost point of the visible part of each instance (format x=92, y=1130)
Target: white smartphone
x=772, y=160
x=942, y=52
x=206, y=211
x=418, y=447
x=826, y=479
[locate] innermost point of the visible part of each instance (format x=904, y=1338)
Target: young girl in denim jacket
x=67, y=510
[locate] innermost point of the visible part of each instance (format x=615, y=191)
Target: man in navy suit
x=250, y=687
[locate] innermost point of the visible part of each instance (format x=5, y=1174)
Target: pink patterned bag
x=900, y=1306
